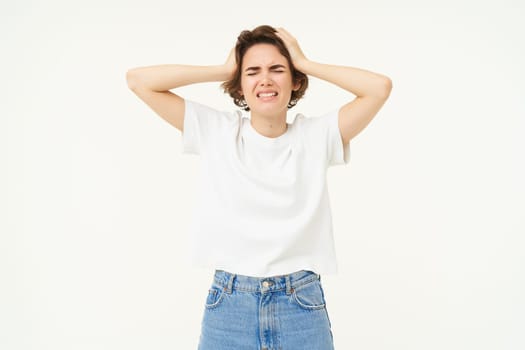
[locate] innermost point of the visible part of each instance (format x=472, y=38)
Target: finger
x=284, y=32
x=285, y=36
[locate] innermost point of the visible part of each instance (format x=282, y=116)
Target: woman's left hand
x=298, y=57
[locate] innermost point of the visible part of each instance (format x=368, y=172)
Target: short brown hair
x=262, y=34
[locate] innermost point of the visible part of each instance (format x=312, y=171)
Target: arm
x=152, y=84
x=371, y=89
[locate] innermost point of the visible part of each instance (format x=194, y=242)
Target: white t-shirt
x=263, y=207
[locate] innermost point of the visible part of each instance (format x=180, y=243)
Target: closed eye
x=279, y=68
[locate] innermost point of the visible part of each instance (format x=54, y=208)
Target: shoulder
x=211, y=114
x=317, y=122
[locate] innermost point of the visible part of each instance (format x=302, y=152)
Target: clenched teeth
x=267, y=94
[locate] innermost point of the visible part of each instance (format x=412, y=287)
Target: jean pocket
x=215, y=297
x=309, y=296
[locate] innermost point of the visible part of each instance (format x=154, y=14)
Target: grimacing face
x=266, y=80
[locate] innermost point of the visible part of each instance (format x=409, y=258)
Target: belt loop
x=288, y=285
x=230, y=284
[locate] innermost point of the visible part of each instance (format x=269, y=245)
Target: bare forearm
x=358, y=81
x=169, y=76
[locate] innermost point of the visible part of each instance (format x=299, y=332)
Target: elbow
x=132, y=78
x=386, y=87
x=380, y=88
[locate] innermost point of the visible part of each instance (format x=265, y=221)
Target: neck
x=269, y=126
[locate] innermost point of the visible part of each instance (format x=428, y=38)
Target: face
x=266, y=80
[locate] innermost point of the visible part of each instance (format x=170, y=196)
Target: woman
x=263, y=219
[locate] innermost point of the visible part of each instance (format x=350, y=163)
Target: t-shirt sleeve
x=202, y=126
x=338, y=154
x=324, y=133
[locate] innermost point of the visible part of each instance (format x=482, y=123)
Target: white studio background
x=96, y=195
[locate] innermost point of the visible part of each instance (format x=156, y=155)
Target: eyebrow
x=257, y=68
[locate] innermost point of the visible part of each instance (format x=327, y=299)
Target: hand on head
x=293, y=47
x=231, y=63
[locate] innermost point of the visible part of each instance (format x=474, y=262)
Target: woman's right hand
x=231, y=64
x=152, y=84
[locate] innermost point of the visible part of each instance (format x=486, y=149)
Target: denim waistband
x=231, y=281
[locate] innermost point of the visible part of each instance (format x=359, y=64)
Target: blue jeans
x=285, y=312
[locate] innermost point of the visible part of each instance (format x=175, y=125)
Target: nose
x=265, y=81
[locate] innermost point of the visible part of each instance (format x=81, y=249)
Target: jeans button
x=265, y=284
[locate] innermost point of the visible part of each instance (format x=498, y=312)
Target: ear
x=297, y=84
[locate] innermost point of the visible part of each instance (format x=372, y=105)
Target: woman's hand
x=298, y=57
x=231, y=65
